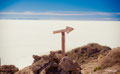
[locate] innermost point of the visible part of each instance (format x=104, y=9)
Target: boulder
x=8, y=69
x=71, y=66
x=39, y=65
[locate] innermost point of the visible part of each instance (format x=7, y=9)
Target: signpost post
x=0, y=61
x=68, y=29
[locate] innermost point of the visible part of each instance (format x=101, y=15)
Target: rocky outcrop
x=88, y=52
x=111, y=59
x=8, y=69
x=110, y=64
x=55, y=64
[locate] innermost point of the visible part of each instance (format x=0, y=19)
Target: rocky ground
x=89, y=59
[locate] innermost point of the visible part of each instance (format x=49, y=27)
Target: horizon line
x=60, y=13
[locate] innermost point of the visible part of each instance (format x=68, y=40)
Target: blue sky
x=60, y=9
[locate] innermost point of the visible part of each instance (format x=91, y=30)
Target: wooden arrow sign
x=68, y=30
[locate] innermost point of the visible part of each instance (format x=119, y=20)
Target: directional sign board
x=68, y=29
x=62, y=31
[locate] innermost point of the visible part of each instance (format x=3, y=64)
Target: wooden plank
x=68, y=29
x=59, y=31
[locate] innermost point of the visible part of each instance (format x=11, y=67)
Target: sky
x=100, y=10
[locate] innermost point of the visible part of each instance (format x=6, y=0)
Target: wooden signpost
x=68, y=29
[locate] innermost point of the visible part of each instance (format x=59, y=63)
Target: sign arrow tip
x=69, y=29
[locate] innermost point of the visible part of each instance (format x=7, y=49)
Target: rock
x=63, y=66
x=8, y=69
x=38, y=66
x=111, y=59
x=54, y=64
x=88, y=52
x=69, y=65
x=109, y=64
x=26, y=70
x=36, y=58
